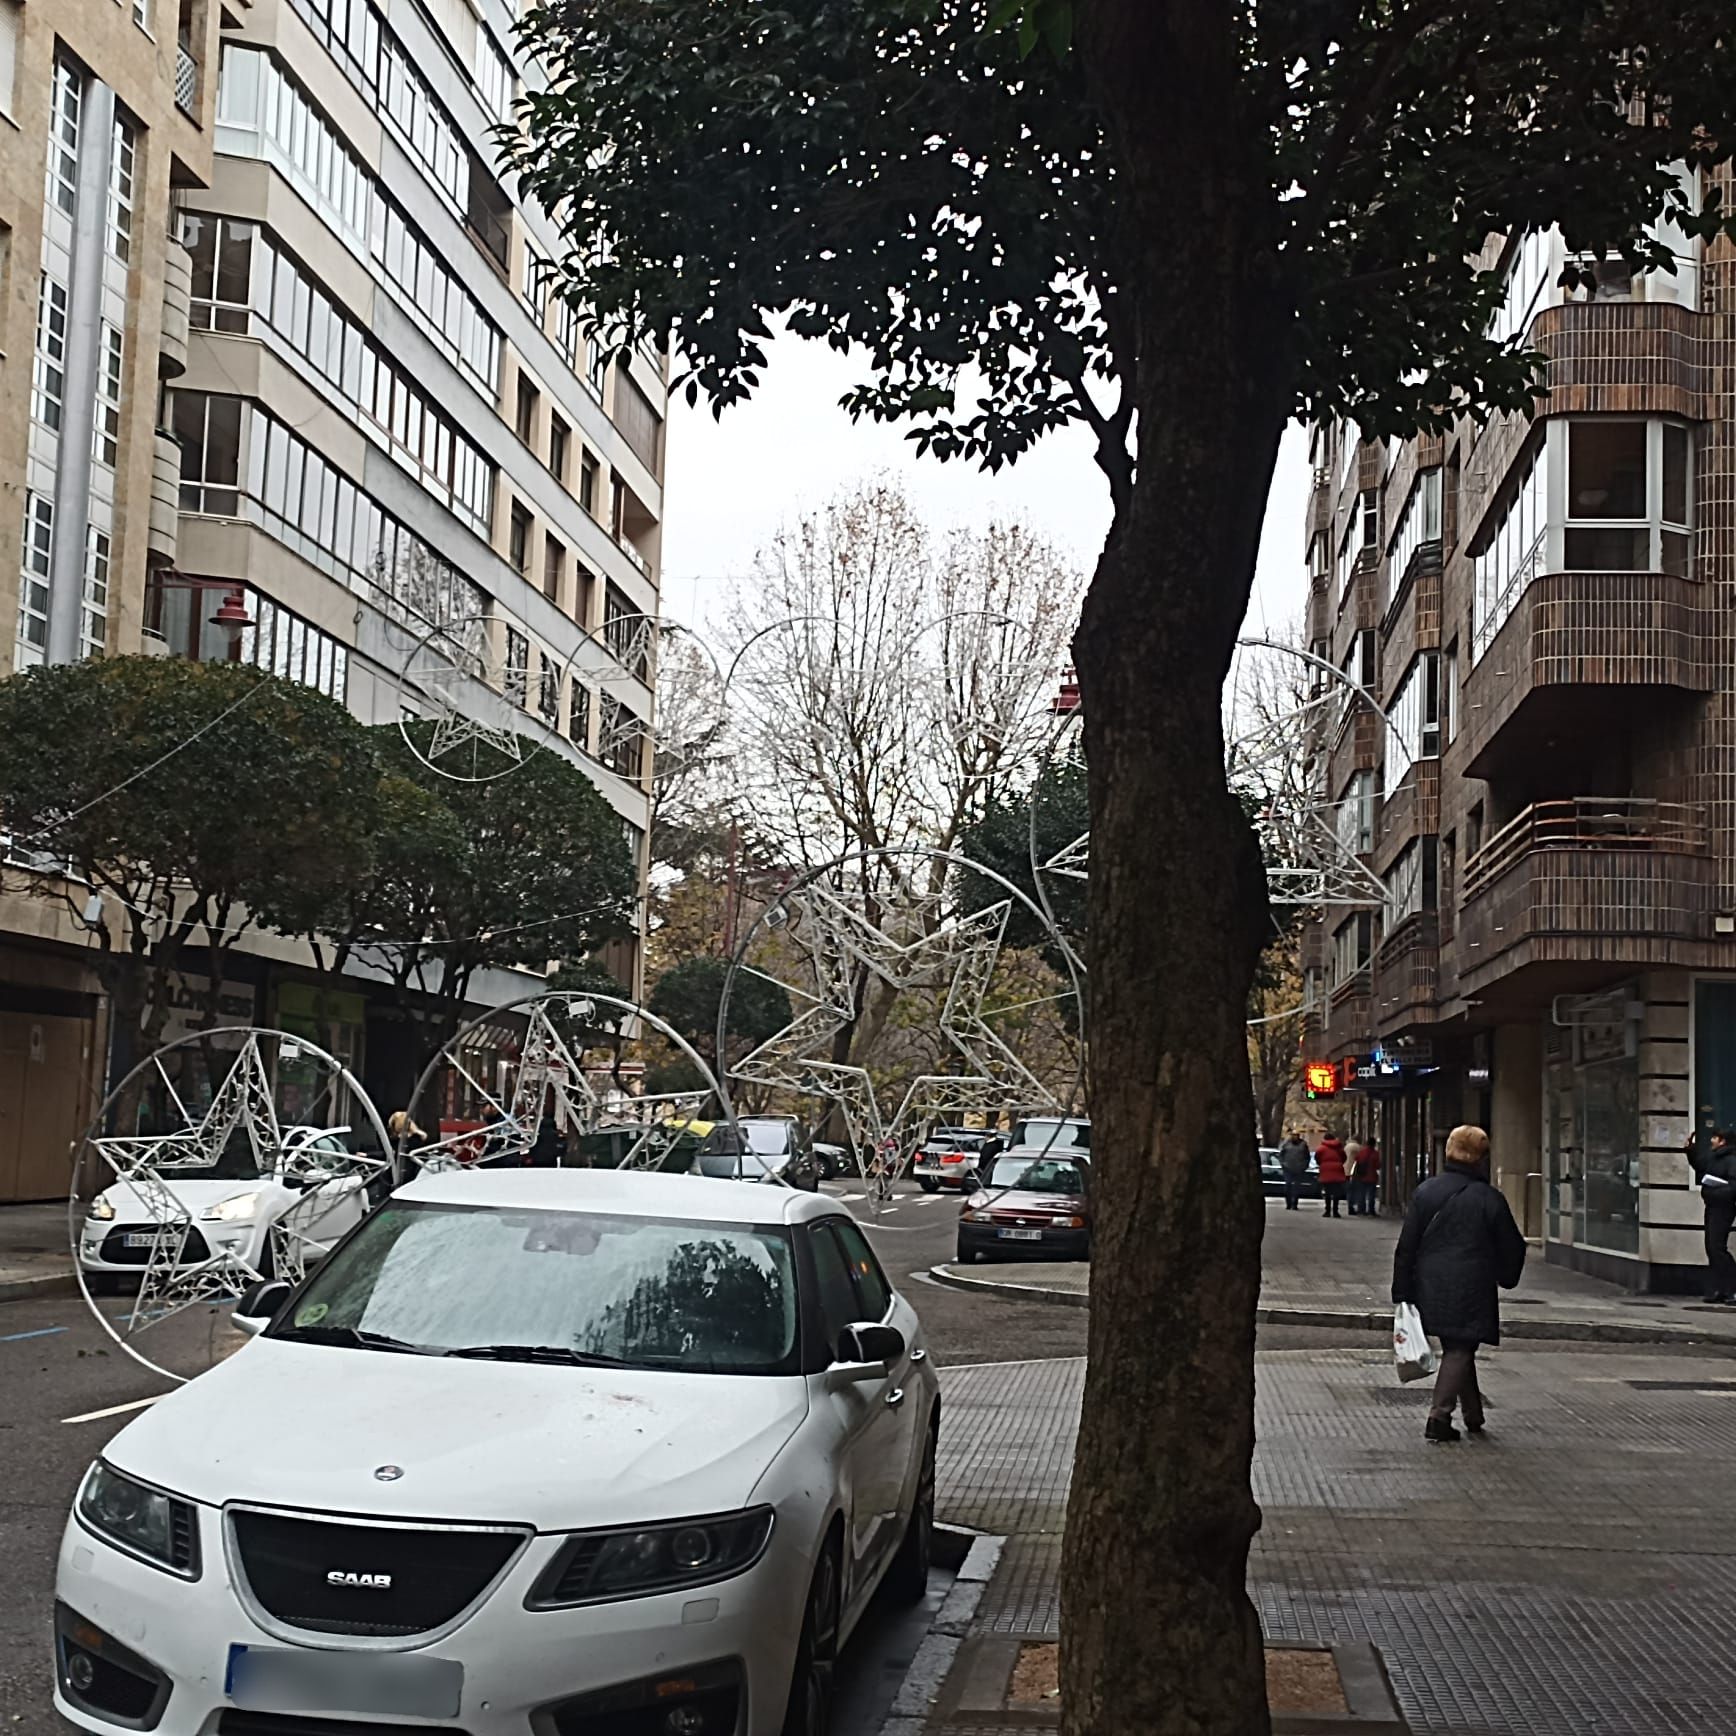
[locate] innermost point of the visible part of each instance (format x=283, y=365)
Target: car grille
x=435, y=1574
x=115, y=1251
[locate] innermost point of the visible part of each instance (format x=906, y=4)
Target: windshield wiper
x=537, y=1353
x=354, y=1336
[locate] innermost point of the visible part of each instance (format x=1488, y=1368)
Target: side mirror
x=865, y=1352
x=257, y=1303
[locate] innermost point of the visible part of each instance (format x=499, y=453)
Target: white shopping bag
x=1411, y=1349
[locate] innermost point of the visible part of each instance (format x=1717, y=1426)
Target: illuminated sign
x=1321, y=1079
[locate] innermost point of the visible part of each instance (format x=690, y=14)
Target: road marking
x=855, y=1196
x=115, y=1410
x=40, y=1332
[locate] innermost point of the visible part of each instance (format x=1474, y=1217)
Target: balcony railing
x=1627, y=823
x=186, y=80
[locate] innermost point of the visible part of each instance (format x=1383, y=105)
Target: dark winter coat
x=1330, y=1158
x=1720, y=1162
x=1293, y=1157
x=1458, y=1244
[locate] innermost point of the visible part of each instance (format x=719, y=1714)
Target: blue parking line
x=40, y=1332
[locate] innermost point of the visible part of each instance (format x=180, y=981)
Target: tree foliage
x=199, y=800
x=517, y=870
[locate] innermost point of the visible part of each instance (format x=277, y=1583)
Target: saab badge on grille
x=359, y=1581
x=388, y=1473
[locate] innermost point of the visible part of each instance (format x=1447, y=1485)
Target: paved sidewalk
x=1318, y=1271
x=35, y=1255
x=1570, y=1575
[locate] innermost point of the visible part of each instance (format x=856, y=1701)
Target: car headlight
x=234, y=1210
x=102, y=1208
x=143, y=1521
x=1069, y=1223
x=601, y=1566
x=975, y=1217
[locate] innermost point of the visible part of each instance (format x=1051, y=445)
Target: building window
x=1628, y=505
x=596, y=364
x=554, y=568
x=620, y=739
x=1510, y=553
x=93, y=615
x=1368, y=512
x=423, y=123
x=123, y=161
x=66, y=105
x=179, y=610
x=222, y=249
x=517, y=673
x=534, y=291
x=48, y=376
x=1527, y=276
x=209, y=430
x=35, y=573
x=560, y=441
x=1449, y=696
x=579, y=718
x=640, y=425
x=548, y=691
x=106, y=434
x=525, y=419
x=518, y=542
x=567, y=331
x=1352, y=942
x=588, y=478
x=584, y=589
x=624, y=632
x=1356, y=814
x=1419, y=524
x=1410, y=882
x=1415, y=717
x=494, y=80
x=1346, y=559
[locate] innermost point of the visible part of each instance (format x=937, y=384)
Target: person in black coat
x=1459, y=1243
x=1714, y=1174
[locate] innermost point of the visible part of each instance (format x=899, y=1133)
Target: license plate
x=265, y=1679
x=145, y=1238
x=1020, y=1235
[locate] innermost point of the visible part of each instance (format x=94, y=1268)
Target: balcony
x=164, y=531
x=1625, y=357
x=177, y=311
x=1407, y=974
x=1604, y=879
x=1582, y=650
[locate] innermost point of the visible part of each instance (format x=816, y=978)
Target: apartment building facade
x=1543, y=607
x=285, y=380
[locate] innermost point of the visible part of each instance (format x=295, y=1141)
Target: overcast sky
x=732, y=484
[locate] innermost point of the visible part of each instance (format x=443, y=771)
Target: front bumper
x=520, y=1667
x=1052, y=1244
x=102, y=1248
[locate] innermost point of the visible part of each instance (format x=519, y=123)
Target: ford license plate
x=1021, y=1235
x=266, y=1679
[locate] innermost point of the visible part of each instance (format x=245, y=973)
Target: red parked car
x=1033, y=1206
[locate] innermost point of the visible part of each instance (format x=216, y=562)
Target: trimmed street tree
x=197, y=800
x=522, y=869
x=1181, y=223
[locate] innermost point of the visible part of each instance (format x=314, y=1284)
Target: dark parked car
x=1272, y=1175
x=759, y=1148
x=1034, y=1206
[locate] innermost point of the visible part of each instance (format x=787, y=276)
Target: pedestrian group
x=1342, y=1174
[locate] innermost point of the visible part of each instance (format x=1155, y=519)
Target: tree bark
x=1159, y=1637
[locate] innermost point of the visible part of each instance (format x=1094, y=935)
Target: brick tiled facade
x=1572, y=922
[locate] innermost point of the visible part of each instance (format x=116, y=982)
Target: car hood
x=305, y=1425
x=132, y=1207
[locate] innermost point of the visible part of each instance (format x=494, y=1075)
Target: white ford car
x=547, y=1452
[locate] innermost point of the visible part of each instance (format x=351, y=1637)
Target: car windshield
x=1045, y=1175
x=558, y=1286
x=237, y=1161
x=1044, y=1134
x=765, y=1138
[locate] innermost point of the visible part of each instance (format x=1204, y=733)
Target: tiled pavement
x=1313, y=1267
x=35, y=1253
x=1574, y=1574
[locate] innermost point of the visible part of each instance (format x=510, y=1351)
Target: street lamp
x=233, y=618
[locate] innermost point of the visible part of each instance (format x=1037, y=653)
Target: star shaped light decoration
x=548, y=1082
x=446, y=670
x=847, y=949
x=184, y=1267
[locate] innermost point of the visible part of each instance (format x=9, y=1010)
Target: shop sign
x=1376, y=1072
x=186, y=1000
x=1320, y=1079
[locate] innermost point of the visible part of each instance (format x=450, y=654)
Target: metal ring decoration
x=548, y=1090
x=780, y=1060
x=177, y=1208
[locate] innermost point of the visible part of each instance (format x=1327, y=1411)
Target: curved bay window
x=180, y=610
x=1628, y=497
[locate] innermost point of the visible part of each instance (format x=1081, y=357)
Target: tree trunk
x=1159, y=1637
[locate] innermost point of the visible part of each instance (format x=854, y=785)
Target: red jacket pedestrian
x=1330, y=1160
x=1367, y=1164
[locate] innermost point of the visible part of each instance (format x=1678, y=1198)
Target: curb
x=48, y=1284
x=928, y=1669
x=1379, y=1320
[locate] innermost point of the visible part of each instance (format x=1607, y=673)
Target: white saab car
x=547, y=1452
